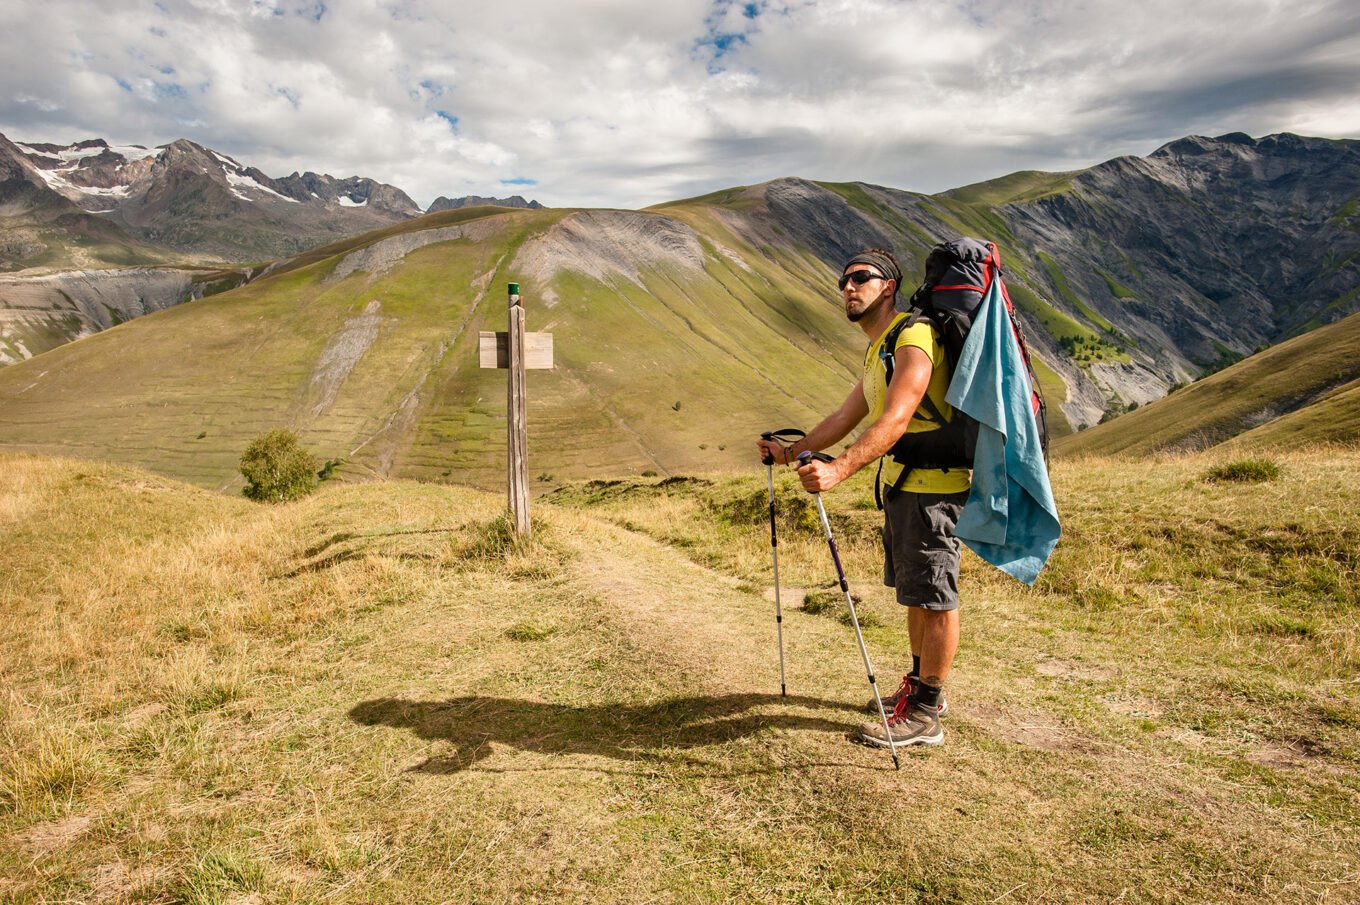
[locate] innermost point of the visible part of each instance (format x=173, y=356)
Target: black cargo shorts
x=920, y=551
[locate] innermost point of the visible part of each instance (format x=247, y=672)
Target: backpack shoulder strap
x=889, y=353
x=889, y=350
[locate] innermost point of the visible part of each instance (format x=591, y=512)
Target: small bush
x=818, y=602
x=495, y=544
x=794, y=513
x=277, y=468
x=1244, y=471
x=494, y=540
x=866, y=620
x=831, y=602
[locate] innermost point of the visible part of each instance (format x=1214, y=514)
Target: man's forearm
x=831, y=430
x=872, y=444
x=834, y=427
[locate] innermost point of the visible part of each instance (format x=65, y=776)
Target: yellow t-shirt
x=921, y=335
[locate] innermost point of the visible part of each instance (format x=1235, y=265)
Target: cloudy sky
x=627, y=103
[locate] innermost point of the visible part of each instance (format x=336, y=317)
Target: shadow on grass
x=627, y=733
x=359, y=549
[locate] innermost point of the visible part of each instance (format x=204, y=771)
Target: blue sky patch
x=448, y=118
x=519, y=181
x=718, y=40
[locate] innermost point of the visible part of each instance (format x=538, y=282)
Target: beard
x=857, y=316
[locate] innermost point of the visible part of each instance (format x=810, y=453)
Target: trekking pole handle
x=805, y=457
x=785, y=437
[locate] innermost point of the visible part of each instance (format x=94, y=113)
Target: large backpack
x=958, y=275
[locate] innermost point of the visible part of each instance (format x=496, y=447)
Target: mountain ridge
x=679, y=333
x=193, y=201
x=1120, y=306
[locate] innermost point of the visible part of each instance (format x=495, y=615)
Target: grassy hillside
x=1016, y=188
x=371, y=355
x=1304, y=390
x=373, y=695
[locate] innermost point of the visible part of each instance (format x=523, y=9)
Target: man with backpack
x=902, y=389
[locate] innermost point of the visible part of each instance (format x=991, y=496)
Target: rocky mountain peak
x=198, y=200
x=516, y=201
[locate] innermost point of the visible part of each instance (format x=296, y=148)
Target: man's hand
x=773, y=449
x=818, y=476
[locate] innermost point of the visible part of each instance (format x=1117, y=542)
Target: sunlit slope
x=668, y=356
x=1301, y=391
x=374, y=694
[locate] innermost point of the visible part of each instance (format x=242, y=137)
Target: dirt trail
x=699, y=622
x=693, y=620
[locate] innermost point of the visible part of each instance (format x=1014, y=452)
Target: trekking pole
x=783, y=437
x=803, y=458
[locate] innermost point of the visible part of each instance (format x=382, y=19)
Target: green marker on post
x=514, y=288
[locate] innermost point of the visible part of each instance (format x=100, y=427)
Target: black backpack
x=958, y=275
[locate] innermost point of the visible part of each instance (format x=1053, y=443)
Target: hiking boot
x=890, y=701
x=910, y=724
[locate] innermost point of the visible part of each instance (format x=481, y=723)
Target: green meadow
x=377, y=694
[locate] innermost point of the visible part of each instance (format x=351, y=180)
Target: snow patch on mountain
x=227, y=163
x=74, y=155
x=134, y=153
x=237, y=181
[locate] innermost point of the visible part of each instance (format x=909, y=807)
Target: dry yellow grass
x=374, y=695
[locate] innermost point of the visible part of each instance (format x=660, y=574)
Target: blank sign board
x=494, y=350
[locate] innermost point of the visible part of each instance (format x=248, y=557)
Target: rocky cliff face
x=447, y=204
x=40, y=313
x=353, y=192
x=1199, y=253
x=1133, y=276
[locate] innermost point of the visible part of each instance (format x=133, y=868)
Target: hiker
x=920, y=509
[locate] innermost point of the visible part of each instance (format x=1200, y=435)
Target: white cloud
x=624, y=103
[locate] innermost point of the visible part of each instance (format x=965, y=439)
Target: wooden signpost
x=516, y=351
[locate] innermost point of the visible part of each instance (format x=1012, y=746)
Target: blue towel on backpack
x=1010, y=519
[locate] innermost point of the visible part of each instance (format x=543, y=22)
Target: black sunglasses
x=859, y=278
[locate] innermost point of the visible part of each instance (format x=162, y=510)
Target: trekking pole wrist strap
x=786, y=438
